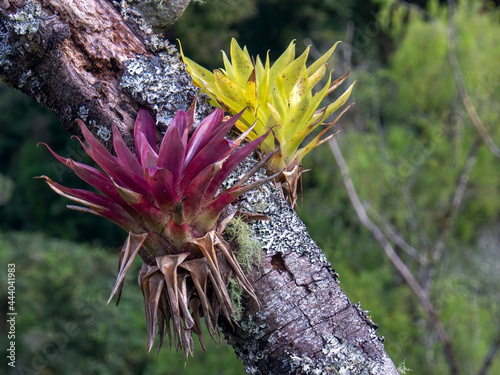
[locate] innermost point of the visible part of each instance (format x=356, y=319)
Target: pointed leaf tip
x=145, y=124
x=130, y=249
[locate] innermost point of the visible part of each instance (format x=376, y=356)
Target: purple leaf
x=149, y=158
x=161, y=182
x=150, y=216
x=121, y=221
x=212, y=153
x=178, y=124
x=200, y=136
x=100, y=205
x=224, y=128
x=87, y=197
x=125, y=156
x=230, y=165
x=195, y=191
x=174, y=159
x=145, y=124
x=116, y=171
x=96, y=148
x=90, y=175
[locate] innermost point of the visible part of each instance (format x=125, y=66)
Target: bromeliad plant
x=278, y=97
x=169, y=200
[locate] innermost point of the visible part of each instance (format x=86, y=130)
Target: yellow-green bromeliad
x=278, y=97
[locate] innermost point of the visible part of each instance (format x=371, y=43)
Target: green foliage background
x=405, y=143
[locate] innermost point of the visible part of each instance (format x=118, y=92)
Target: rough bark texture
x=81, y=59
x=70, y=59
x=306, y=323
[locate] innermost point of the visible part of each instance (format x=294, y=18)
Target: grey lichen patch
x=339, y=358
x=27, y=20
x=28, y=76
x=254, y=328
x=103, y=132
x=135, y=17
x=24, y=22
x=158, y=14
x=284, y=231
x=26, y=39
x=164, y=84
x=83, y=113
x=5, y=47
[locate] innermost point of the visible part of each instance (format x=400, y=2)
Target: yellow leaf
x=241, y=62
x=227, y=66
x=317, y=141
x=259, y=69
x=317, y=76
x=300, y=90
x=251, y=91
x=211, y=91
x=289, y=77
x=339, y=102
x=321, y=61
x=293, y=144
x=278, y=101
x=275, y=120
x=282, y=62
x=277, y=96
x=297, y=116
x=229, y=89
x=263, y=81
x=315, y=102
x=197, y=70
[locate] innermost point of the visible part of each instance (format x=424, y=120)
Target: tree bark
x=93, y=60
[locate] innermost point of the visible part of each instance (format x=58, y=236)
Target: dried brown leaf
x=129, y=250
x=231, y=259
x=199, y=270
x=168, y=266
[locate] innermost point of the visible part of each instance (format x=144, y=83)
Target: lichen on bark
x=162, y=83
x=158, y=14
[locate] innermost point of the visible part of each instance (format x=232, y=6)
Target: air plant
x=169, y=200
x=279, y=97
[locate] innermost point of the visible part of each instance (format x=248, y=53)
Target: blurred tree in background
x=418, y=162
x=424, y=175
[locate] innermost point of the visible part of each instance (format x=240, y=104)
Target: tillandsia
x=169, y=200
x=279, y=97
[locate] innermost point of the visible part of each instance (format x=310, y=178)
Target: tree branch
x=451, y=214
x=495, y=346
x=395, y=237
x=462, y=89
x=394, y=258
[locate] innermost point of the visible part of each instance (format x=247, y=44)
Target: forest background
x=420, y=144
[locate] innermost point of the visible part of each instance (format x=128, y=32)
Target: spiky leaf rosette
x=278, y=96
x=168, y=198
